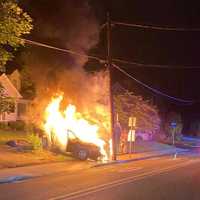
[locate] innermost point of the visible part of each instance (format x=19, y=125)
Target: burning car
x=72, y=132
x=82, y=150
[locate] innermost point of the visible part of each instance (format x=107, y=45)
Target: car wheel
x=82, y=154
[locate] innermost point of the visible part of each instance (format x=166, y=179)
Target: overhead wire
x=104, y=61
x=160, y=28
x=103, y=26
x=151, y=88
x=31, y=42
x=101, y=60
x=63, y=50
x=155, y=65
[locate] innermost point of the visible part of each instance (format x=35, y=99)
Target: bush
x=4, y=126
x=17, y=125
x=35, y=141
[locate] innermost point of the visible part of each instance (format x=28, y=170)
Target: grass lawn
x=149, y=146
x=11, y=157
x=11, y=135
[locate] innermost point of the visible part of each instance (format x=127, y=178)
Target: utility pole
x=109, y=60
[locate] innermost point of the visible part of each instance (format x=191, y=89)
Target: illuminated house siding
x=12, y=85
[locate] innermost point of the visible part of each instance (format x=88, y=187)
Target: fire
x=59, y=123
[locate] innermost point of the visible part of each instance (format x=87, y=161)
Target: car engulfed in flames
x=82, y=150
x=69, y=131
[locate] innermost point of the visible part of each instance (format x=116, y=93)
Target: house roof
x=10, y=89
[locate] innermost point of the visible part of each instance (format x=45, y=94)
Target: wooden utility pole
x=109, y=60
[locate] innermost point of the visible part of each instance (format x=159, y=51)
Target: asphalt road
x=158, y=178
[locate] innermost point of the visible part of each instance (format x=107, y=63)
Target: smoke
x=67, y=24
x=73, y=26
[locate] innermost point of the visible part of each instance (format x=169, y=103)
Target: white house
x=12, y=85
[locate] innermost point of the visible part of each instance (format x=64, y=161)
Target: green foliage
x=35, y=141
x=195, y=127
x=14, y=23
x=13, y=126
x=173, y=117
x=4, y=126
x=6, y=103
x=7, y=134
x=128, y=104
x=28, y=89
x=17, y=125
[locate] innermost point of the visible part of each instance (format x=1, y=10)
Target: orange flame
x=58, y=123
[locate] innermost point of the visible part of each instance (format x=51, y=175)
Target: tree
x=173, y=117
x=6, y=103
x=195, y=127
x=14, y=23
x=128, y=104
x=28, y=89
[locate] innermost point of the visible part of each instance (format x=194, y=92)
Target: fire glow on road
x=122, y=181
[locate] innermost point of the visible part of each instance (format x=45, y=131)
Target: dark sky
x=141, y=45
x=159, y=47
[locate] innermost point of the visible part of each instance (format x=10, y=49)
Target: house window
x=3, y=116
x=21, y=109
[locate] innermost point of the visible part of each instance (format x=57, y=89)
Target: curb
x=138, y=159
x=14, y=179
x=18, y=178
x=15, y=175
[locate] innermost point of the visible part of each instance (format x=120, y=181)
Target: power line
x=154, y=65
x=31, y=42
x=104, y=61
x=101, y=60
x=103, y=26
x=153, y=89
x=63, y=50
x=160, y=28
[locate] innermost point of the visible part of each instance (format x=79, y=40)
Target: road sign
x=173, y=124
x=132, y=121
x=131, y=133
x=131, y=136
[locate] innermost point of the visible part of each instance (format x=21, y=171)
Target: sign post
x=131, y=134
x=173, y=125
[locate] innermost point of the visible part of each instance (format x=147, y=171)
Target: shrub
x=30, y=128
x=173, y=117
x=18, y=125
x=35, y=141
x=4, y=126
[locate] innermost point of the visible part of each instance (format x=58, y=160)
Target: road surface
x=156, y=179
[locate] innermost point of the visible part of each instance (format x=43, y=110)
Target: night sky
x=138, y=45
x=161, y=47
